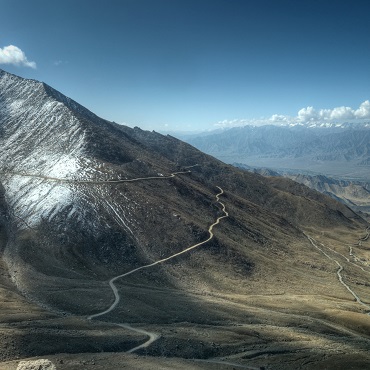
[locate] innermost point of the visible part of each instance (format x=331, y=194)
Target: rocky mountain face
x=355, y=194
x=341, y=151
x=83, y=200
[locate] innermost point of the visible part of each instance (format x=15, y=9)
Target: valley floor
x=252, y=331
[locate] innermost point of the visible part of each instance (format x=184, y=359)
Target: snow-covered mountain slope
x=39, y=134
x=47, y=136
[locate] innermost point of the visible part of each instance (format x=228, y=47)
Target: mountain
x=355, y=194
x=342, y=151
x=111, y=235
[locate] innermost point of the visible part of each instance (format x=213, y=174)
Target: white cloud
x=305, y=116
x=338, y=114
x=364, y=110
x=308, y=114
x=325, y=114
x=13, y=55
x=279, y=118
x=342, y=113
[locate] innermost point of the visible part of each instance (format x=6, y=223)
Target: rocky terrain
x=241, y=270
x=355, y=194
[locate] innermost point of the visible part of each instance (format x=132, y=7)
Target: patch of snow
x=32, y=199
x=64, y=167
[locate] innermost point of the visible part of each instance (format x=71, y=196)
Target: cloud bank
x=306, y=116
x=309, y=114
x=13, y=55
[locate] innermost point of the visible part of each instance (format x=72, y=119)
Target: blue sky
x=195, y=64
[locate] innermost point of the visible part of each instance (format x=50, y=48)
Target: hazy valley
x=330, y=158
x=241, y=270
x=341, y=150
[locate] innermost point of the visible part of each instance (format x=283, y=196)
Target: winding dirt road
x=154, y=336
x=97, y=182
x=340, y=269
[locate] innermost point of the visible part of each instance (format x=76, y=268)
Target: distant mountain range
x=114, y=239
x=341, y=150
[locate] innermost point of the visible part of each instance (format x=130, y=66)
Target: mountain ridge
x=340, y=152
x=355, y=194
x=117, y=207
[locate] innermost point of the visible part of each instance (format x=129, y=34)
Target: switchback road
x=154, y=336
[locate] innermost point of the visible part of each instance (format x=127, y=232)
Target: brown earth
x=302, y=317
